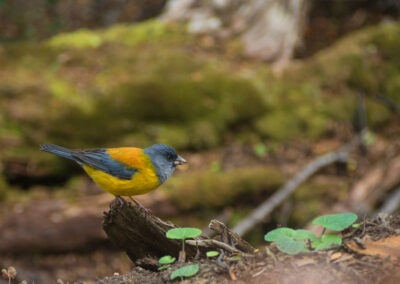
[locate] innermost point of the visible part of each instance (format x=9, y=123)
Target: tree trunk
x=270, y=30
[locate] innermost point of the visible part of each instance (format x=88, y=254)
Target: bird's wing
x=101, y=160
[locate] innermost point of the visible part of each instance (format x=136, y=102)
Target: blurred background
x=248, y=92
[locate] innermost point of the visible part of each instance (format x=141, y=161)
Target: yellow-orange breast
x=143, y=180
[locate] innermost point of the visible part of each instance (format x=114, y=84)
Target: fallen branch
x=376, y=182
x=392, y=203
x=259, y=214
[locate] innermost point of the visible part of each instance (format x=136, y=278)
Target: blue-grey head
x=165, y=159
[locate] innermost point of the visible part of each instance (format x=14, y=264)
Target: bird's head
x=165, y=159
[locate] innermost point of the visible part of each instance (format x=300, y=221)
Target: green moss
x=377, y=114
x=190, y=107
x=218, y=189
x=323, y=89
x=169, y=134
x=203, y=134
x=4, y=188
x=303, y=120
x=146, y=32
x=386, y=39
x=392, y=86
x=340, y=108
x=79, y=39
x=278, y=125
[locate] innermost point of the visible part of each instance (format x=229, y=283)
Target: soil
x=363, y=258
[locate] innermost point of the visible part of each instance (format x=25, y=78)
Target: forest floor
x=370, y=254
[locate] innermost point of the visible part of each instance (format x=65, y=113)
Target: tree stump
x=140, y=234
x=143, y=236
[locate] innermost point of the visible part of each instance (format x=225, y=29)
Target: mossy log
x=53, y=226
x=143, y=236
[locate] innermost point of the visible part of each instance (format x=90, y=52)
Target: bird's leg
x=121, y=201
x=134, y=201
x=141, y=207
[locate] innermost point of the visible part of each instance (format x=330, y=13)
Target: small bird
x=124, y=171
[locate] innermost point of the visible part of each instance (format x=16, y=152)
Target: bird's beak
x=179, y=161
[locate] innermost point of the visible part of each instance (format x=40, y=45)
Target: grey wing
x=99, y=159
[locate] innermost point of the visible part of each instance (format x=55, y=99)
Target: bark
x=139, y=233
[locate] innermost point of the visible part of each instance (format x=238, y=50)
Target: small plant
x=166, y=262
x=9, y=274
x=182, y=234
x=185, y=271
x=326, y=241
x=292, y=241
x=212, y=253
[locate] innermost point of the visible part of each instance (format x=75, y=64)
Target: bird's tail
x=58, y=150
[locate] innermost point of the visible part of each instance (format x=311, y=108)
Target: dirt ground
x=370, y=254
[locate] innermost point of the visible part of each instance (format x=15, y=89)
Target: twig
x=213, y=243
x=258, y=214
x=229, y=237
x=389, y=103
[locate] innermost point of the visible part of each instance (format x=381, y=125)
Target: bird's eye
x=170, y=157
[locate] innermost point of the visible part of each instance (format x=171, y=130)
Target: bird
x=124, y=171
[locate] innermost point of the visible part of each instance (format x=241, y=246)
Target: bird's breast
x=142, y=181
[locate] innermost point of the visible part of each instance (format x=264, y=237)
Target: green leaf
x=185, y=271
x=274, y=235
x=290, y=246
x=260, y=149
x=304, y=235
x=166, y=259
x=326, y=241
x=183, y=233
x=357, y=225
x=336, y=222
x=212, y=253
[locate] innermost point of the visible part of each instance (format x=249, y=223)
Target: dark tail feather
x=58, y=150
